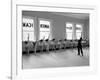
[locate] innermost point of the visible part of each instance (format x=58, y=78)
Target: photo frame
x=16, y=61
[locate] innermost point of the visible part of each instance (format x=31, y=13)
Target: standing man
x=80, y=47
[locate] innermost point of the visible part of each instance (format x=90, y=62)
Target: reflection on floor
x=62, y=58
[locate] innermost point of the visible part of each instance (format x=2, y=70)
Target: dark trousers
x=80, y=50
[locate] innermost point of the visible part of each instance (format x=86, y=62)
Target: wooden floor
x=62, y=58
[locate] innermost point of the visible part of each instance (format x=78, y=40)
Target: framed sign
x=45, y=37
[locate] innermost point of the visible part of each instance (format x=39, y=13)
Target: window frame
x=81, y=30
x=24, y=16
x=69, y=32
x=50, y=31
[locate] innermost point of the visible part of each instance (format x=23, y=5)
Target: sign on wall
x=44, y=29
x=28, y=29
x=44, y=25
x=28, y=24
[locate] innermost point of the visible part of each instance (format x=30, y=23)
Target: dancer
x=80, y=46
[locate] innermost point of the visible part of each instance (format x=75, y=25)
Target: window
x=78, y=31
x=69, y=31
x=28, y=29
x=44, y=29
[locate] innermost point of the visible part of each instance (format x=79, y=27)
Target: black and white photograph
x=52, y=40
x=55, y=39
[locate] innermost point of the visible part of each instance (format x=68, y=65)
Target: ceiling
x=69, y=14
x=75, y=15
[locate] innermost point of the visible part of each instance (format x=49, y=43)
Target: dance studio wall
x=58, y=23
